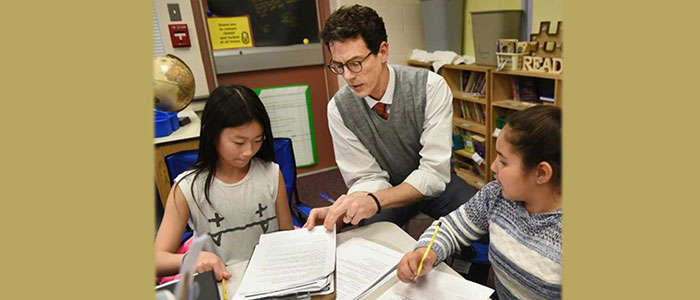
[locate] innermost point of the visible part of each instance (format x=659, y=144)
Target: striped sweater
x=524, y=249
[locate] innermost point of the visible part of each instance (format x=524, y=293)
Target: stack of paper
x=362, y=266
x=290, y=262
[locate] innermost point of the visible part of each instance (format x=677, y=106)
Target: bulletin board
x=289, y=108
x=283, y=34
x=273, y=22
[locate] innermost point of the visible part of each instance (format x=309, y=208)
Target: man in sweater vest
x=391, y=128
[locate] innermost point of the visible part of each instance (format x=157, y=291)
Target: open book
x=300, y=262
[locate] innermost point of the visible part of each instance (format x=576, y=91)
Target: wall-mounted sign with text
x=230, y=32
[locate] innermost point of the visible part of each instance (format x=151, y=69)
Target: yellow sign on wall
x=230, y=32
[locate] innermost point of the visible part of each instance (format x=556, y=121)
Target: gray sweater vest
x=394, y=142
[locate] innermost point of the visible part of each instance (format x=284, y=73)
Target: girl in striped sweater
x=520, y=211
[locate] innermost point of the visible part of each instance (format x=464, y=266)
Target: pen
x=223, y=288
x=324, y=196
x=425, y=254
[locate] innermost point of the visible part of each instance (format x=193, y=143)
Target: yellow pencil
x=223, y=288
x=425, y=254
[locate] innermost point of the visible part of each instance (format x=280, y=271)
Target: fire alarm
x=179, y=35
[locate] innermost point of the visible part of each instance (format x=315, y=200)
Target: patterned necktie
x=380, y=108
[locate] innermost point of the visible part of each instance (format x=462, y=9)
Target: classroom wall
x=191, y=55
x=322, y=85
x=481, y=5
x=404, y=26
x=542, y=10
x=546, y=10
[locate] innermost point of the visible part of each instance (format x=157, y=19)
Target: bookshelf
x=471, y=87
x=505, y=100
x=497, y=101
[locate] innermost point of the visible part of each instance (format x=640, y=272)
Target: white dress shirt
x=360, y=170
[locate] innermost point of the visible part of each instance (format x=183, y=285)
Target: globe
x=173, y=83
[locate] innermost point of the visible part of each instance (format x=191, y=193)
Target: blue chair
x=477, y=255
x=176, y=164
x=180, y=162
x=284, y=157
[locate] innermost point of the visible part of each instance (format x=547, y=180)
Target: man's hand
x=317, y=216
x=354, y=208
x=351, y=208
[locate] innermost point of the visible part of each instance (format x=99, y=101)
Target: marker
x=425, y=254
x=326, y=197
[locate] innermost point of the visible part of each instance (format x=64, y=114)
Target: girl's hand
x=408, y=266
x=210, y=261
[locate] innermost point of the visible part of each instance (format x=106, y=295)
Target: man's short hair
x=352, y=21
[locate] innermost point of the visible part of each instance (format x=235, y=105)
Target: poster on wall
x=289, y=108
x=230, y=32
x=272, y=22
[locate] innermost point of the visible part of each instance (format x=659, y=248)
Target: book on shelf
x=468, y=144
x=474, y=112
x=475, y=84
x=465, y=110
x=467, y=80
x=457, y=141
x=545, y=90
x=469, y=167
x=482, y=114
x=464, y=77
x=527, y=89
x=514, y=87
x=479, y=142
x=482, y=87
x=500, y=122
x=470, y=112
x=547, y=99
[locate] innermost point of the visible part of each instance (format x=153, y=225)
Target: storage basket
x=513, y=61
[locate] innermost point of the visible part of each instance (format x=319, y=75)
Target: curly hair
x=352, y=21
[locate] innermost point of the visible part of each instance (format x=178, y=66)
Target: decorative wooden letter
x=527, y=63
x=557, y=65
x=536, y=63
x=547, y=66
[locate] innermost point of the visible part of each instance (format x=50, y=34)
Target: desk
x=184, y=139
x=383, y=233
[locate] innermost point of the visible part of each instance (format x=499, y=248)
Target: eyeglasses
x=354, y=66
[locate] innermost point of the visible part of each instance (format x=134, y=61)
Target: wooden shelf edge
x=469, y=125
x=471, y=67
x=464, y=67
x=465, y=97
x=471, y=179
x=463, y=153
x=513, y=104
x=530, y=74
